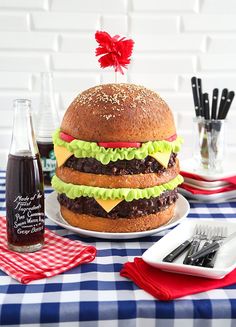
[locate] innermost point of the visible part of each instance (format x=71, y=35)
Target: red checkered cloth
x=58, y=255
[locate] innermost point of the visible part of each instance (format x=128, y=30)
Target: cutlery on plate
x=215, y=234
x=201, y=234
x=210, y=237
x=183, y=246
x=209, y=260
x=212, y=247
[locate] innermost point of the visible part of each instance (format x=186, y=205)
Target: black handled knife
x=181, y=248
x=200, y=100
x=214, y=103
x=193, y=249
x=178, y=251
x=227, y=105
x=212, y=247
x=222, y=103
x=196, y=100
x=206, y=106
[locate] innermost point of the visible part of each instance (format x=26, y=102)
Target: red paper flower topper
x=114, y=51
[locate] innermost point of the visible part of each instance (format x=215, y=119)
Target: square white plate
x=226, y=258
x=217, y=197
x=207, y=185
x=228, y=170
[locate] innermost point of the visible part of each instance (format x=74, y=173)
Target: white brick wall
x=174, y=40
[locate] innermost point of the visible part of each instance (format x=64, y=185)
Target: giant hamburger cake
x=117, y=167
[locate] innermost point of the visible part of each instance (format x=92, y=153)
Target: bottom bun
x=118, y=225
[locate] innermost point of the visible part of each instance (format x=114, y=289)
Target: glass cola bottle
x=24, y=185
x=46, y=123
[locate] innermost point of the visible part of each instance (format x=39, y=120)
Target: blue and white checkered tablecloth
x=95, y=294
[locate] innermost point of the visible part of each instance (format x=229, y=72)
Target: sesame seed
x=118, y=96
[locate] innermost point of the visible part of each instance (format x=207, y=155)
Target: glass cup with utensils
x=210, y=144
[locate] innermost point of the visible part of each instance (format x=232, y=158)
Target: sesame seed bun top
x=118, y=113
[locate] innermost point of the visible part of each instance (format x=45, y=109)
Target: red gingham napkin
x=58, y=255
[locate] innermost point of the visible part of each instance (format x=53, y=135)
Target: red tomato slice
x=66, y=137
x=172, y=138
x=115, y=145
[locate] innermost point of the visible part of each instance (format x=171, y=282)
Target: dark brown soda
x=48, y=161
x=24, y=200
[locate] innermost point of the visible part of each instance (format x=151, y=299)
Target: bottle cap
x=25, y=102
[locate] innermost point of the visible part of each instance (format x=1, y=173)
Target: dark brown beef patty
x=120, y=167
x=135, y=208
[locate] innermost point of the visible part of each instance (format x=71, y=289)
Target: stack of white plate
x=208, y=186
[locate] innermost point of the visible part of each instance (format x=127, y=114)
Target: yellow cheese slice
x=162, y=157
x=62, y=154
x=108, y=205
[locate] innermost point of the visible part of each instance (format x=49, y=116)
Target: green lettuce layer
x=128, y=194
x=84, y=149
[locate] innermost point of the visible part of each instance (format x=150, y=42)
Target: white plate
x=225, y=261
x=52, y=210
x=223, y=196
x=206, y=185
x=198, y=187
x=229, y=169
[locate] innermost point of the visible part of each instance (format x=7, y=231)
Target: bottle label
x=28, y=214
x=49, y=164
